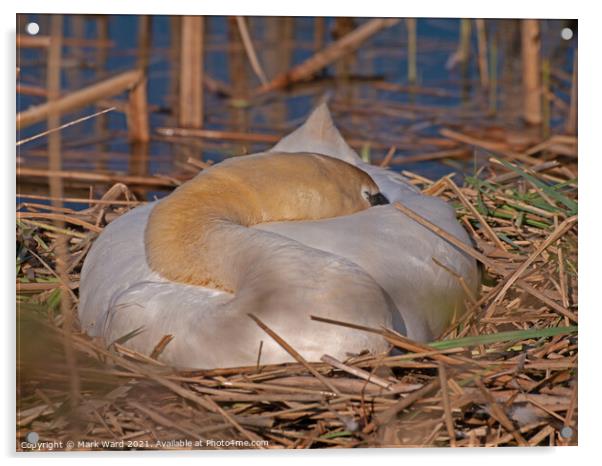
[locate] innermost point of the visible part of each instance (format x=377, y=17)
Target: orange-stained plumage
x=186, y=232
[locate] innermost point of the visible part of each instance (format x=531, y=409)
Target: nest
x=504, y=373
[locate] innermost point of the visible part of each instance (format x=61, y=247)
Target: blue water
x=382, y=56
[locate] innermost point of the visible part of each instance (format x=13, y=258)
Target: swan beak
x=377, y=199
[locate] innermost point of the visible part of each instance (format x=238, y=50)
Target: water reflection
x=373, y=97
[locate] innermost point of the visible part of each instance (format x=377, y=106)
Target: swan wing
x=398, y=253
x=120, y=295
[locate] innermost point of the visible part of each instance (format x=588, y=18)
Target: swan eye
x=376, y=199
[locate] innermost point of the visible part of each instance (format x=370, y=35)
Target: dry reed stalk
x=397, y=340
x=145, y=31
x=499, y=414
x=191, y=72
x=482, y=50
x=203, y=401
x=237, y=70
x=357, y=372
x=214, y=134
x=414, y=89
x=249, y=137
x=451, y=239
x=389, y=157
x=56, y=190
x=277, y=59
x=250, y=50
x=74, y=75
x=329, y=55
x=162, y=420
x=37, y=287
x=40, y=41
x=67, y=286
x=460, y=278
x=571, y=410
x=102, y=31
x=80, y=98
x=388, y=414
x=66, y=125
x=501, y=269
x=81, y=200
x=449, y=423
x=78, y=156
x=531, y=62
x=319, y=33
x=559, y=232
x=554, y=143
x=493, y=75
x=488, y=230
x=541, y=435
x=137, y=113
x=501, y=148
x=407, y=344
x=443, y=154
x=499, y=179
x=290, y=350
x=464, y=52
x=350, y=385
x=53, y=229
x=174, y=56
x=562, y=275
x=571, y=123
x=200, y=164
x=546, y=114
x=268, y=388
x=342, y=26
x=60, y=218
x=412, y=49
x=97, y=177
x=25, y=89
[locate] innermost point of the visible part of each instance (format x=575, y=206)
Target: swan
x=304, y=228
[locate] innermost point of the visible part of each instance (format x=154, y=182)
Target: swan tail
x=319, y=135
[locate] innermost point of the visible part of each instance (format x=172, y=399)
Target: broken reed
x=191, y=72
x=531, y=65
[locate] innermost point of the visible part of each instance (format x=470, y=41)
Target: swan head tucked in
x=183, y=233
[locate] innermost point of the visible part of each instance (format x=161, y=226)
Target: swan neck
x=199, y=234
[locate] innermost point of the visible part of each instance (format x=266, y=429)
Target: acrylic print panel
x=295, y=232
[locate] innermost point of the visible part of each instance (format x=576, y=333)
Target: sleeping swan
x=303, y=229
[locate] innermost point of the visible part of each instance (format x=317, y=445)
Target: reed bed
x=503, y=374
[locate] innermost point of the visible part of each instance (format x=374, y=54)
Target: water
x=361, y=108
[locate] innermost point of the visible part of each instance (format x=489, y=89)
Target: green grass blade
x=365, y=153
x=479, y=184
x=514, y=335
x=550, y=191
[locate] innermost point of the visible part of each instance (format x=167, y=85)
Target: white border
x=426, y=8
x=590, y=172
